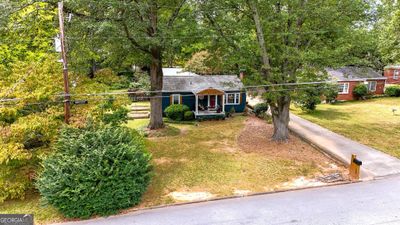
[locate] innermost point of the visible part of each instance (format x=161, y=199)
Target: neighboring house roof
x=177, y=72
x=392, y=67
x=197, y=83
x=353, y=73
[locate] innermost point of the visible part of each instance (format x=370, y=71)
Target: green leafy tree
x=287, y=38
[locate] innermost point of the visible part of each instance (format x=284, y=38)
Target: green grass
x=369, y=122
x=43, y=214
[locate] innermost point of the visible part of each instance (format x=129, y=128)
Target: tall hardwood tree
x=292, y=36
x=144, y=25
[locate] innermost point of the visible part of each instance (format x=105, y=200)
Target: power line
x=141, y=92
x=154, y=97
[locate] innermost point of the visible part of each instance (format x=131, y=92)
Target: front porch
x=209, y=103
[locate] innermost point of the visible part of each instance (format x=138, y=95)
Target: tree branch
x=134, y=43
x=175, y=14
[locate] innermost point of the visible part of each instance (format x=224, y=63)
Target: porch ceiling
x=209, y=91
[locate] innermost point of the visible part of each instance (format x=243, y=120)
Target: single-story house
x=392, y=73
x=350, y=76
x=207, y=95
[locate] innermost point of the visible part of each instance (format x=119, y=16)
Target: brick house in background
x=392, y=73
x=350, y=76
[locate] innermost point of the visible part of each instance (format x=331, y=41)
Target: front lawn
x=213, y=159
x=371, y=122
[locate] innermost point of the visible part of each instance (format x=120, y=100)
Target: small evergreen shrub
x=260, y=109
x=176, y=111
x=96, y=170
x=308, y=99
x=360, y=91
x=189, y=115
x=393, y=91
x=331, y=92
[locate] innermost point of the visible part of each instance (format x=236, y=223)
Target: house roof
x=392, y=67
x=353, y=73
x=198, y=83
x=177, y=72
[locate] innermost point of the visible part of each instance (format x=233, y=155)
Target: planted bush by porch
x=95, y=171
x=188, y=116
x=176, y=112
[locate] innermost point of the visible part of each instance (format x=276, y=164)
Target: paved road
x=375, y=163
x=367, y=203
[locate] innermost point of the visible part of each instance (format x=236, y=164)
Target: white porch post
x=197, y=104
x=223, y=103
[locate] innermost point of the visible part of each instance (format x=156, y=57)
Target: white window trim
x=369, y=85
x=173, y=99
x=396, y=74
x=345, y=89
x=236, y=99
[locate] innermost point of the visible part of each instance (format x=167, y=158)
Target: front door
x=212, y=101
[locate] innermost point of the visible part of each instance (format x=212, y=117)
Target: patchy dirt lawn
x=232, y=157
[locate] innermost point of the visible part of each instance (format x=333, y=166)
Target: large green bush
x=360, y=91
x=260, y=108
x=393, y=91
x=95, y=171
x=176, y=111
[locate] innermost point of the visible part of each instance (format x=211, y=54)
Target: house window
x=344, y=88
x=396, y=74
x=176, y=99
x=232, y=98
x=372, y=86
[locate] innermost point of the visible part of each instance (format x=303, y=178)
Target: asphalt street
x=366, y=203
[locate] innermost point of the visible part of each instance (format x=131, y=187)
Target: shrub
x=21, y=144
x=110, y=112
x=331, y=92
x=189, y=115
x=95, y=171
x=393, y=91
x=308, y=99
x=260, y=109
x=176, y=111
x=360, y=91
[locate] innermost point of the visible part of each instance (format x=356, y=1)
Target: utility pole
x=65, y=66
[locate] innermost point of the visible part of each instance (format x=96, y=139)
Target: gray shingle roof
x=199, y=83
x=392, y=67
x=349, y=73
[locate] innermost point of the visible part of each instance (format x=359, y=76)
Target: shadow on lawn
x=327, y=114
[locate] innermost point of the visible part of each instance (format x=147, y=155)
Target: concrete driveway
x=375, y=163
x=366, y=203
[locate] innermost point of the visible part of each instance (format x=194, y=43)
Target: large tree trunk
x=156, y=81
x=280, y=117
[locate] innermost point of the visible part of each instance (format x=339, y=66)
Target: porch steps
x=138, y=111
x=140, y=108
x=132, y=116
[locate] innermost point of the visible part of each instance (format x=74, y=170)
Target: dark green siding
x=189, y=99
